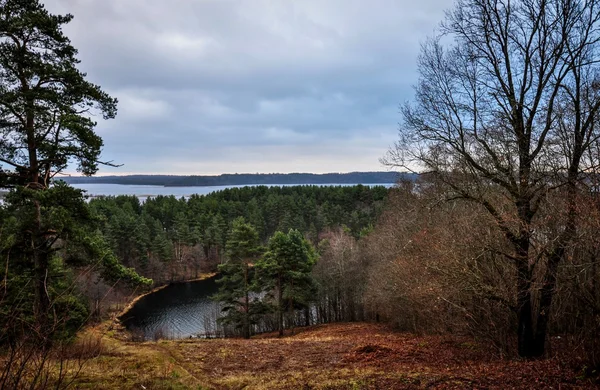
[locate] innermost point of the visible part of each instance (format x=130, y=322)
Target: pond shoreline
x=130, y=305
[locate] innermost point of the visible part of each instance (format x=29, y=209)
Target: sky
x=224, y=86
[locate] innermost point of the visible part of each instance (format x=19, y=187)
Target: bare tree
x=340, y=274
x=504, y=116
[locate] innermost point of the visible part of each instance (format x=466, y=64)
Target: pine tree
x=182, y=235
x=44, y=98
x=285, y=269
x=45, y=123
x=236, y=276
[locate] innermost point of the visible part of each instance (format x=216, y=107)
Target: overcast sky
x=224, y=86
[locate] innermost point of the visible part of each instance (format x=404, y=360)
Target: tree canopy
x=46, y=103
x=285, y=269
x=237, y=275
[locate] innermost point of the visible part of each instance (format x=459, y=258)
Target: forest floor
x=335, y=356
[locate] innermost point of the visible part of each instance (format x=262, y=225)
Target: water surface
x=145, y=191
x=179, y=310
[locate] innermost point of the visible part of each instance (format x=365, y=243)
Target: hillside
x=337, y=356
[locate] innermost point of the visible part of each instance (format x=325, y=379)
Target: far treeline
x=247, y=179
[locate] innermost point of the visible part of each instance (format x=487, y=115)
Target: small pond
x=180, y=310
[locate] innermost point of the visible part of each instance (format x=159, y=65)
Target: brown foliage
x=333, y=356
x=444, y=266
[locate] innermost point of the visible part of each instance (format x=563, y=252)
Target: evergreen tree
x=216, y=235
x=165, y=228
x=66, y=217
x=162, y=247
x=255, y=217
x=45, y=123
x=285, y=269
x=236, y=276
x=182, y=235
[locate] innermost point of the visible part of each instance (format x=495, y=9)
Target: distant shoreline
x=143, y=192
x=274, y=184
x=247, y=179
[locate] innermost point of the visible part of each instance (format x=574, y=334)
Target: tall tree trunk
x=554, y=259
x=526, y=342
x=525, y=331
x=246, y=323
x=546, y=295
x=38, y=244
x=33, y=173
x=292, y=318
x=40, y=263
x=307, y=315
x=280, y=306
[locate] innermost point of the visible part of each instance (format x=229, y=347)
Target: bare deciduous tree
x=504, y=116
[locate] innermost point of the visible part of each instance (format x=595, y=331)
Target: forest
x=481, y=269
x=168, y=239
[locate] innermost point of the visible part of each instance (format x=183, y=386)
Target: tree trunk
x=291, y=309
x=246, y=324
x=280, y=306
x=556, y=256
x=307, y=316
x=40, y=263
x=546, y=295
x=291, y=314
x=525, y=331
x=38, y=244
x=526, y=342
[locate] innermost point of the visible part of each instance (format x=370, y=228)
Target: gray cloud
x=211, y=86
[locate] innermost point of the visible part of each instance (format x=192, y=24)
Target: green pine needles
x=46, y=230
x=256, y=282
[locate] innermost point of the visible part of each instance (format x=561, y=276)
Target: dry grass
x=338, y=356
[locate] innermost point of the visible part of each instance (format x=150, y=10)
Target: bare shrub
x=28, y=364
x=340, y=274
x=88, y=346
x=437, y=266
x=577, y=311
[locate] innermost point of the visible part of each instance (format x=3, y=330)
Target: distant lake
x=143, y=191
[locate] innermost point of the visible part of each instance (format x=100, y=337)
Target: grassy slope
x=345, y=356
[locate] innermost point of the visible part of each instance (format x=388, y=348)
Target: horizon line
x=223, y=174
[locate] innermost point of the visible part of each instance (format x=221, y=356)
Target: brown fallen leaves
x=355, y=356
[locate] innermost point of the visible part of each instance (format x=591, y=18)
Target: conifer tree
x=236, y=277
x=182, y=236
x=46, y=107
x=284, y=271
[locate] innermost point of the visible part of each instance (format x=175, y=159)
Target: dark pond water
x=180, y=310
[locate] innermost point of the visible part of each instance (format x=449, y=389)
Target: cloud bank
x=224, y=86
